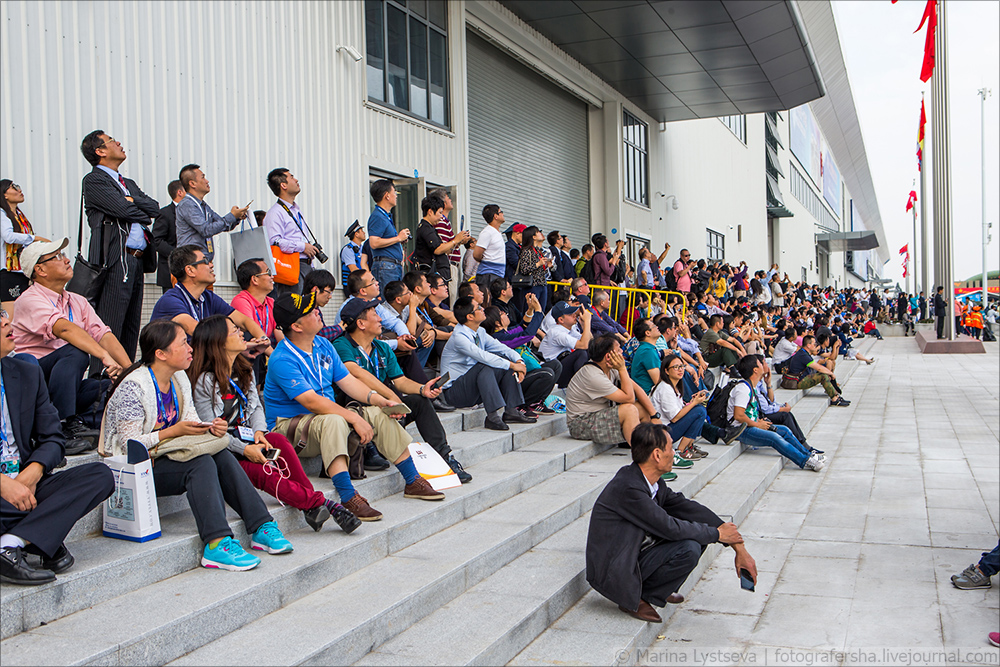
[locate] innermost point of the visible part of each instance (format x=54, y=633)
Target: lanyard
x=161, y=409
x=267, y=316
x=3, y=422
x=374, y=361
x=199, y=314
x=68, y=305
x=299, y=221
x=310, y=364
x=243, y=400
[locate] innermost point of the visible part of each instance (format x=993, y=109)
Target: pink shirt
x=262, y=313
x=683, y=282
x=39, y=308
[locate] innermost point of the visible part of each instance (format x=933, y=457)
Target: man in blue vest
x=351, y=257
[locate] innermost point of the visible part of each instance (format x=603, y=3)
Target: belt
x=398, y=262
x=135, y=253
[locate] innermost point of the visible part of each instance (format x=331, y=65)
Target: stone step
x=170, y=617
x=501, y=615
x=108, y=567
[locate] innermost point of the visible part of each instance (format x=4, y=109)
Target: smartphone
x=442, y=381
x=271, y=454
x=746, y=581
x=248, y=204
x=204, y=423
x=401, y=409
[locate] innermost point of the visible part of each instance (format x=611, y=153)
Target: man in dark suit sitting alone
x=644, y=539
x=37, y=508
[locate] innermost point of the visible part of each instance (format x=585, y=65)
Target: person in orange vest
x=974, y=322
x=959, y=317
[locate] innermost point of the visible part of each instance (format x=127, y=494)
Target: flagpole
x=983, y=92
x=941, y=141
x=913, y=266
x=925, y=255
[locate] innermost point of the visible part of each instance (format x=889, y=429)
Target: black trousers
x=940, y=325
x=495, y=388
x=538, y=384
x=665, y=566
x=63, y=498
x=120, y=303
x=211, y=483
x=428, y=424
x=410, y=365
x=788, y=420
x=571, y=363
x=68, y=391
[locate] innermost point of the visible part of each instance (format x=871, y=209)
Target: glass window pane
x=397, y=93
x=437, y=13
x=439, y=77
x=418, y=67
x=419, y=7
x=375, y=49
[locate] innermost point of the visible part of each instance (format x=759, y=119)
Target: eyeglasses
x=203, y=260
x=673, y=367
x=3, y=314
x=59, y=255
x=327, y=291
x=257, y=275
x=236, y=332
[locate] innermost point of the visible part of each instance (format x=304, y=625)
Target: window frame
x=409, y=17
x=710, y=249
x=740, y=129
x=631, y=168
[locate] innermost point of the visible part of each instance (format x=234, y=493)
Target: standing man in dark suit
x=644, y=539
x=165, y=234
x=940, y=310
x=118, y=213
x=37, y=508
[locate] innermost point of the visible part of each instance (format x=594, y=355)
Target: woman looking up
x=16, y=233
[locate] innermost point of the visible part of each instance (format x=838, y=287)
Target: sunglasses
x=201, y=261
x=59, y=255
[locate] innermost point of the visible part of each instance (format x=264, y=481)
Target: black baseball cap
x=288, y=308
x=353, y=309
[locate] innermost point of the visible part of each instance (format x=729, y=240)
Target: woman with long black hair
x=534, y=264
x=16, y=232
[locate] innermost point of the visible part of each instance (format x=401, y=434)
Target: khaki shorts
x=603, y=426
x=328, y=436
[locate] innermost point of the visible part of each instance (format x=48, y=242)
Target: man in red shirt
x=256, y=282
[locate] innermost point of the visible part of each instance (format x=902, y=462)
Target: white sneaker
x=815, y=464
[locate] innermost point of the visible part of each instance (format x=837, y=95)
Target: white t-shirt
x=559, y=339
x=740, y=397
x=666, y=401
x=492, y=243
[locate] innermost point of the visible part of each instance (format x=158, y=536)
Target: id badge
x=10, y=467
x=245, y=433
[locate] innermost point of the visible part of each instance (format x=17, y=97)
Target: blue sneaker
x=268, y=538
x=229, y=555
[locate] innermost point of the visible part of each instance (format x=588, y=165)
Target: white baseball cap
x=34, y=251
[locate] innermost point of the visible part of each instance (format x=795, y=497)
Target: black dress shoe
x=494, y=423
x=60, y=561
x=374, y=460
x=76, y=446
x=316, y=517
x=441, y=405
x=14, y=569
x=528, y=412
x=515, y=417
x=457, y=468
x=345, y=519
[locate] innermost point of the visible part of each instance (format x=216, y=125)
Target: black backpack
x=719, y=402
x=671, y=280
x=587, y=271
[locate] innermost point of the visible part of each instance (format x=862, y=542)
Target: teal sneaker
x=268, y=538
x=229, y=555
x=668, y=476
x=681, y=462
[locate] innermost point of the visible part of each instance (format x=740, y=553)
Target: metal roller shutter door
x=527, y=146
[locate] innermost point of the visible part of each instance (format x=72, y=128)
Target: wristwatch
x=655, y=415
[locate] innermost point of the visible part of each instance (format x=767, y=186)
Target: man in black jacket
x=940, y=310
x=118, y=213
x=644, y=539
x=165, y=234
x=37, y=508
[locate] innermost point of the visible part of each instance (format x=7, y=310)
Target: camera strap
x=299, y=221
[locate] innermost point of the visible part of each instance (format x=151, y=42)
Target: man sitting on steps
x=644, y=539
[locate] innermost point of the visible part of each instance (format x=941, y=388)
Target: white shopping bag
x=131, y=512
x=432, y=467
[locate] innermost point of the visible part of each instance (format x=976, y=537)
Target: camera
x=321, y=256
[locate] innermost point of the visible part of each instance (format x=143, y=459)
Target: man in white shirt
x=482, y=370
x=566, y=344
x=490, y=250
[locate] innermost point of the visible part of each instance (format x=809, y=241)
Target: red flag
x=910, y=201
x=930, y=17
x=905, y=249
x=920, y=137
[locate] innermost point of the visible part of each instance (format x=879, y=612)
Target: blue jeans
x=385, y=271
x=691, y=385
x=990, y=562
x=781, y=439
x=690, y=425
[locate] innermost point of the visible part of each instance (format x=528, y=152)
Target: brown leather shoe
x=422, y=490
x=675, y=598
x=645, y=612
x=360, y=508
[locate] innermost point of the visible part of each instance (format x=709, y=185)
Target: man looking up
x=446, y=230
x=490, y=249
x=62, y=331
x=371, y=361
x=682, y=271
x=165, y=234
x=386, y=243
x=351, y=257
x=196, y=222
x=300, y=404
x=564, y=343
x=286, y=228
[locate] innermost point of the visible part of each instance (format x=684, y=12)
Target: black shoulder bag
x=88, y=278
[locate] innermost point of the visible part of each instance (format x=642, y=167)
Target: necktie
x=121, y=179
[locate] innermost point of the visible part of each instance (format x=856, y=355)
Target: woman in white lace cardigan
x=153, y=403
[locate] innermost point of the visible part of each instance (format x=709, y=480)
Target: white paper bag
x=131, y=512
x=251, y=242
x=432, y=467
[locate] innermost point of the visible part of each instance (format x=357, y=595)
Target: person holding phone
x=223, y=386
x=196, y=223
x=152, y=405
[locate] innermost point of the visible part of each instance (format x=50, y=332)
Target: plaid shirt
x=331, y=333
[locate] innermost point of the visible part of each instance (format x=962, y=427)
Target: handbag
x=520, y=281
x=186, y=447
x=251, y=243
x=286, y=266
x=790, y=381
x=88, y=278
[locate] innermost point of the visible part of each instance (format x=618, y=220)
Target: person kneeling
x=299, y=402
x=153, y=406
x=37, y=508
x=644, y=539
x=223, y=385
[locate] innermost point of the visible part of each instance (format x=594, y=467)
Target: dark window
x=407, y=63
x=636, y=158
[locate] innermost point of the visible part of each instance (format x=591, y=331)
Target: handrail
x=631, y=291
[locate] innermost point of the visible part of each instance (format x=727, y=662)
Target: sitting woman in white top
x=223, y=381
x=153, y=406
x=564, y=343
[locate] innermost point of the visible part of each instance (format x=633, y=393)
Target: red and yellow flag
x=920, y=137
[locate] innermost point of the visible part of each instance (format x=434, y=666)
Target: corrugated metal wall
x=237, y=87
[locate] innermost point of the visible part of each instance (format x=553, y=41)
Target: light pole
x=983, y=94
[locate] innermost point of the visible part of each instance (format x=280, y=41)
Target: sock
x=331, y=505
x=408, y=470
x=214, y=543
x=342, y=482
x=9, y=541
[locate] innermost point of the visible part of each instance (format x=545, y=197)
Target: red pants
x=297, y=490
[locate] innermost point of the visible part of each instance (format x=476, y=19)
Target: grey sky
x=883, y=58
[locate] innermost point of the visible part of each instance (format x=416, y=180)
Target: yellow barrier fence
x=631, y=293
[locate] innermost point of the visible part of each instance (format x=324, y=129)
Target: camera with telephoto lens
x=321, y=256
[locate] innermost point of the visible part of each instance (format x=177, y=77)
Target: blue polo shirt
x=291, y=373
x=380, y=224
x=176, y=301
